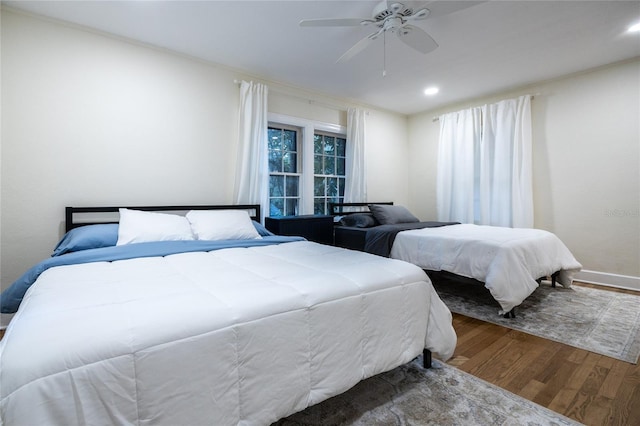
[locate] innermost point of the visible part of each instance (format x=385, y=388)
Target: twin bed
x=194, y=324
x=509, y=261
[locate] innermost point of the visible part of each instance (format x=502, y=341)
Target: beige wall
x=586, y=158
x=94, y=120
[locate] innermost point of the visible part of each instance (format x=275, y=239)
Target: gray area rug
x=599, y=321
x=411, y=395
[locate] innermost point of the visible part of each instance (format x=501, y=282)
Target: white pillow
x=222, y=225
x=140, y=227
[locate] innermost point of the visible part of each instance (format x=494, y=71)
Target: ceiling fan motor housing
x=384, y=10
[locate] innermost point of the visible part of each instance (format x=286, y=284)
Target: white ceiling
x=485, y=48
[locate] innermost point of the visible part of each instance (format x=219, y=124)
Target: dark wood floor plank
x=593, y=389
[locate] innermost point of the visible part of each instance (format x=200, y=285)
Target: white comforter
x=507, y=260
x=235, y=336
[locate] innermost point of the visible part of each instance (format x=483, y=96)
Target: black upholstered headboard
x=81, y=216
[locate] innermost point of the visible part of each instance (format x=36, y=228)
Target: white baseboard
x=610, y=280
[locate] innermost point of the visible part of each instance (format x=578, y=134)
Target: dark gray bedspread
x=379, y=239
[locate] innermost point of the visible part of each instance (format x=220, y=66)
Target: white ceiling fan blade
x=441, y=8
x=339, y=22
x=358, y=47
x=419, y=14
x=417, y=38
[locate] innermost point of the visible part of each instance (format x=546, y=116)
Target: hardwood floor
x=590, y=388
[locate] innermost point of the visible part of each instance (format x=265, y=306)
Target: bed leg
x=510, y=314
x=553, y=279
x=426, y=358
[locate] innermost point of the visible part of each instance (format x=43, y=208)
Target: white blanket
x=234, y=336
x=507, y=260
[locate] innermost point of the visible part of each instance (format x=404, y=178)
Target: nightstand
x=318, y=228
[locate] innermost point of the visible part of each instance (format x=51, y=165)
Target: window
x=284, y=176
x=329, y=153
x=307, y=163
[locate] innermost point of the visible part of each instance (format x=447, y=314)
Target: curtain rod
x=307, y=100
x=434, y=119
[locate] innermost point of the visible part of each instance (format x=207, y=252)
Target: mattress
x=507, y=260
x=225, y=337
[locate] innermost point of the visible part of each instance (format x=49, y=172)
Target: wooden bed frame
x=81, y=216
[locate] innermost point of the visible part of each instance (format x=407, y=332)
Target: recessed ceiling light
x=634, y=28
x=430, y=91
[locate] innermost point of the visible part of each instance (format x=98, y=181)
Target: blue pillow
x=264, y=232
x=87, y=237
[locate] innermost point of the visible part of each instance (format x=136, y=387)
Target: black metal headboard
x=339, y=208
x=81, y=216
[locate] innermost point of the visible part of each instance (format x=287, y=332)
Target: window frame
x=287, y=174
x=340, y=178
x=305, y=154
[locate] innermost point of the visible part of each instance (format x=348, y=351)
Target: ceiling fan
x=388, y=16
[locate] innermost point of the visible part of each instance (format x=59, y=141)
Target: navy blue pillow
x=359, y=220
x=88, y=237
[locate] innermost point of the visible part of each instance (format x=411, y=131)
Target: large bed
x=120, y=329
x=510, y=262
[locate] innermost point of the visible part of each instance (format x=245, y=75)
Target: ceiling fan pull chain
x=384, y=54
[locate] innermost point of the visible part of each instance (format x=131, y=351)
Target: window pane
x=289, y=137
x=341, y=183
x=289, y=162
x=275, y=139
x=292, y=206
x=275, y=161
x=329, y=165
x=329, y=145
x=317, y=144
x=340, y=166
x=292, y=186
x=318, y=186
x=276, y=207
x=317, y=164
x=318, y=206
x=332, y=187
x=341, y=147
x=276, y=186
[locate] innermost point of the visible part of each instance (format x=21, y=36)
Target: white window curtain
x=356, y=178
x=485, y=165
x=252, y=169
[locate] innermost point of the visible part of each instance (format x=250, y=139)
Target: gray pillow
x=389, y=214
